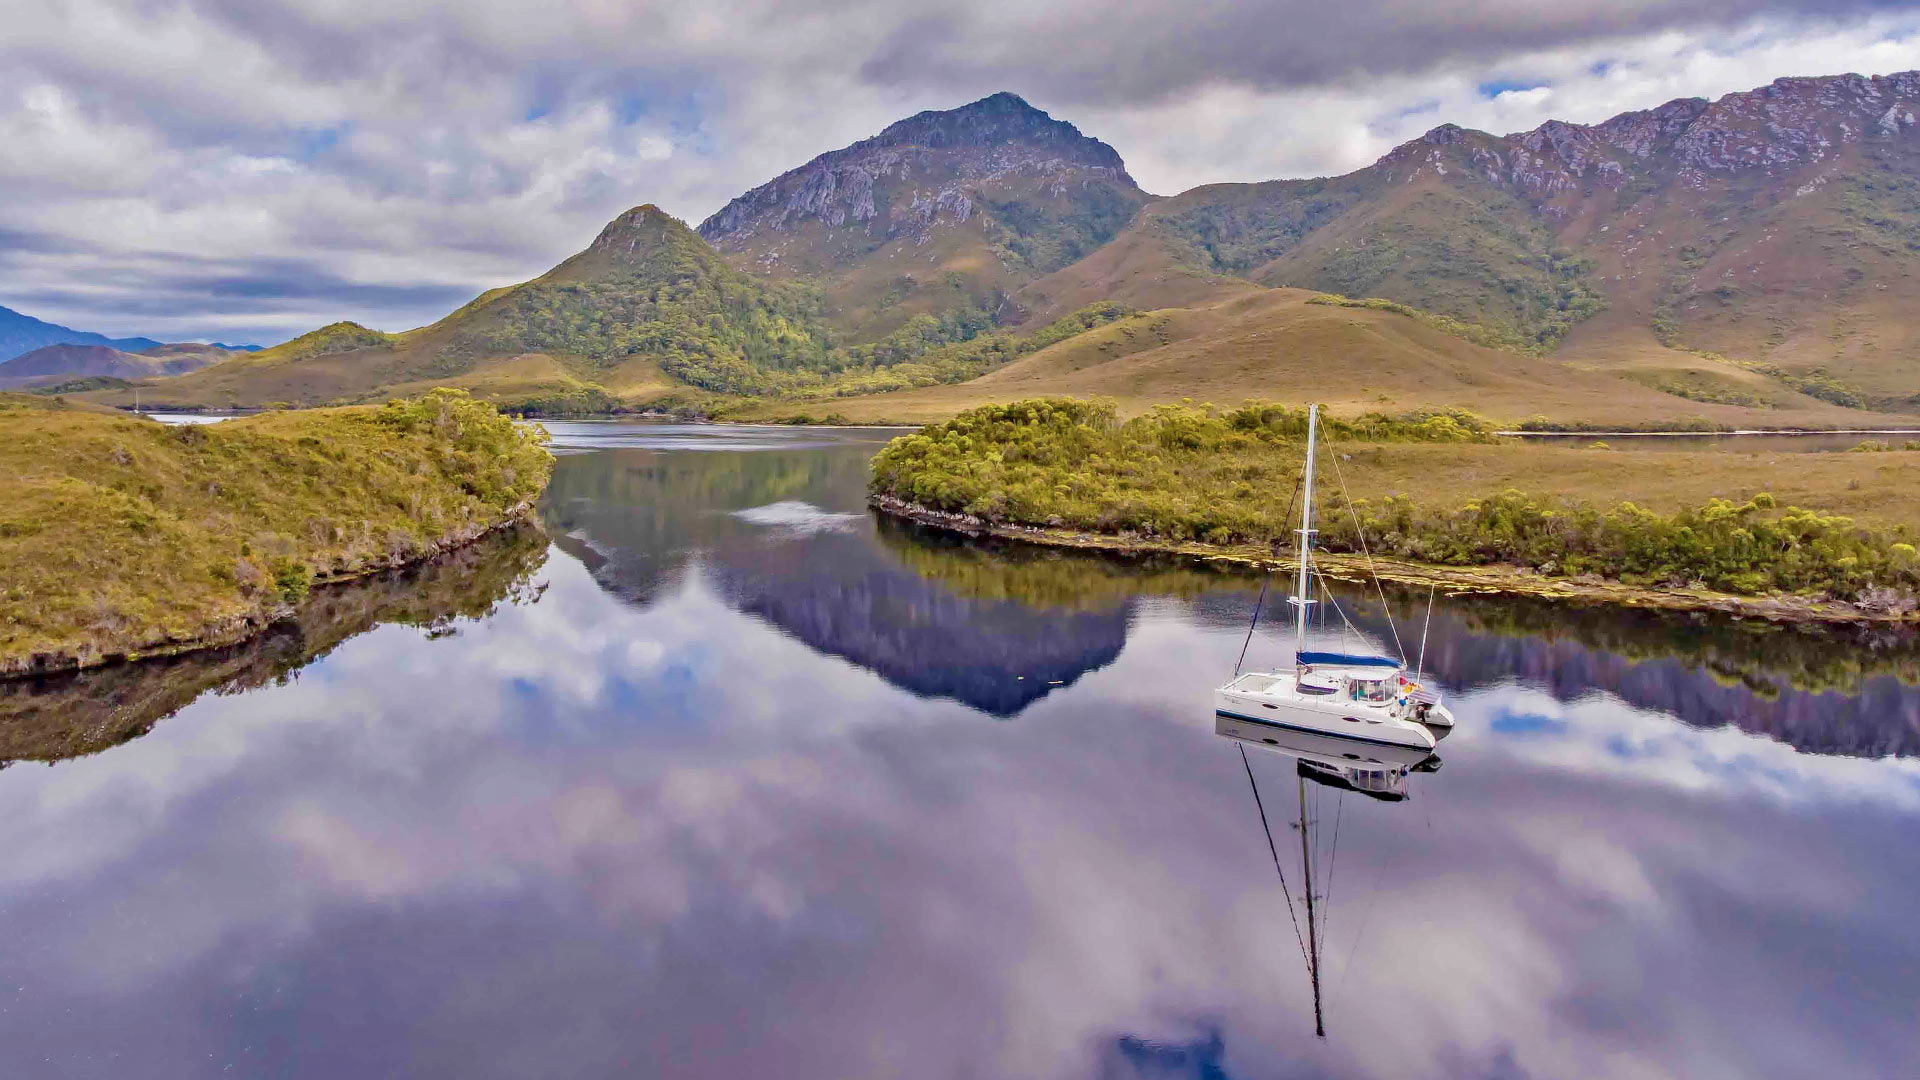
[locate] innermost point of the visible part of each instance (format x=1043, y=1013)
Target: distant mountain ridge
x=1774, y=231
x=1748, y=260
x=23, y=333
x=54, y=363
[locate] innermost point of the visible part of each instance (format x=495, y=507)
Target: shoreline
x=238, y=629
x=1703, y=434
x=1455, y=579
x=614, y=417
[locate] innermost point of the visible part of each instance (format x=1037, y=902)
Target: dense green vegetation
x=1466, y=252
x=82, y=385
x=666, y=296
x=961, y=360
x=1499, y=271
x=1177, y=471
x=1042, y=237
x=1182, y=473
x=1750, y=547
x=333, y=338
x=1242, y=229
x=120, y=535
x=705, y=324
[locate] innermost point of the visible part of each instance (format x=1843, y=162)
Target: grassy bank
x=1435, y=492
x=71, y=713
x=121, y=537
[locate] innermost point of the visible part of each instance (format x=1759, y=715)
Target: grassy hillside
x=1269, y=342
x=647, y=298
x=648, y=312
x=122, y=536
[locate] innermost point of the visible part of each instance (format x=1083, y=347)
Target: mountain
x=940, y=210
x=184, y=347
x=52, y=363
x=1747, y=261
x=647, y=306
x=24, y=333
x=1777, y=230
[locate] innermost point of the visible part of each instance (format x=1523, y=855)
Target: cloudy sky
x=249, y=169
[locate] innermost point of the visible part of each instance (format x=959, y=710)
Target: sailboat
x=1365, y=697
x=1339, y=763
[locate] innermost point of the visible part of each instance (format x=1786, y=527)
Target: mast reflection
x=1328, y=762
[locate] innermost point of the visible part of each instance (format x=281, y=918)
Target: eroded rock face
x=1785, y=125
x=922, y=173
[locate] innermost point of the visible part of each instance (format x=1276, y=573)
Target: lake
x=723, y=777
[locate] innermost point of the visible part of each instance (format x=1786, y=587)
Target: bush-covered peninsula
x=1439, y=490
x=123, y=537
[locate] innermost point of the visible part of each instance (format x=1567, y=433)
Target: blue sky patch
x=1512, y=723
x=1501, y=86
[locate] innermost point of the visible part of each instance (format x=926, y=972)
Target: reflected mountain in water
x=840, y=596
x=998, y=625
x=1822, y=690
x=84, y=712
x=785, y=537
x=636, y=517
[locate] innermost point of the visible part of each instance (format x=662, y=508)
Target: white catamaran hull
x=1344, y=719
x=1329, y=750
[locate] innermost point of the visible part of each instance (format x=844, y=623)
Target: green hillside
x=1747, y=262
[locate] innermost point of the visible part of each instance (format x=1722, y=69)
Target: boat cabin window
x=1369, y=690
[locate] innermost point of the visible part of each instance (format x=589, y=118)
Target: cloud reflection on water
x=640, y=829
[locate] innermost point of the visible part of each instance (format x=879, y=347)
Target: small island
x=123, y=538
x=1436, y=498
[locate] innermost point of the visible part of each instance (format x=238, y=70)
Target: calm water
x=1749, y=443
x=732, y=780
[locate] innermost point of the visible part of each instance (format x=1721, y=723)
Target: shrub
x=1183, y=472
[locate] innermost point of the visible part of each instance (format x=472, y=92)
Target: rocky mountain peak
x=922, y=172
x=1786, y=124
x=1002, y=119
x=632, y=238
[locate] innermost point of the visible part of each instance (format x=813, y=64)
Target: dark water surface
x=734, y=781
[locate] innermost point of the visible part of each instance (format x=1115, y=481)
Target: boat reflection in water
x=1376, y=770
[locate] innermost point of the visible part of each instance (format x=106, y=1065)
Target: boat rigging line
x=1257, y=605
x=1265, y=576
x=1420, y=672
x=1361, y=533
x=1306, y=863
x=1275, y=852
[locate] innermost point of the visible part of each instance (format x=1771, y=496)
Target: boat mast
x=1302, y=594
x=1313, y=935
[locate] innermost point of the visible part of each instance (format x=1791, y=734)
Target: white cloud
x=244, y=169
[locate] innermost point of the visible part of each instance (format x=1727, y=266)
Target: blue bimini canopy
x=1334, y=659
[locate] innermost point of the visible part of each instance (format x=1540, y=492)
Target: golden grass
x=1880, y=490
x=1274, y=344
x=120, y=535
